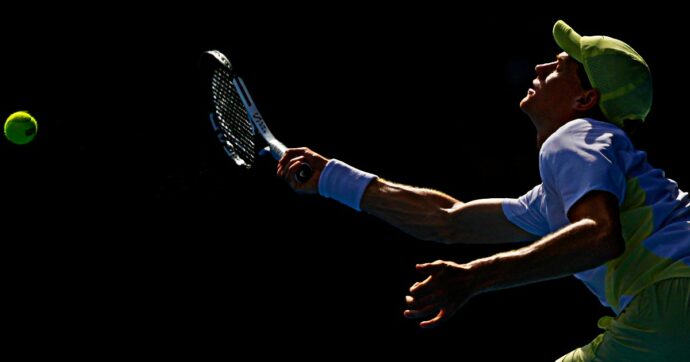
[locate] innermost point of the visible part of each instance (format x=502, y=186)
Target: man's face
x=554, y=91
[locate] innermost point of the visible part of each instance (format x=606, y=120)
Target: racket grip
x=304, y=173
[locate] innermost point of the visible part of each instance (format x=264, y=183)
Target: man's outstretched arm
x=593, y=237
x=433, y=215
x=424, y=213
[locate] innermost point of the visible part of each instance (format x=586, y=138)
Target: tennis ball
x=20, y=128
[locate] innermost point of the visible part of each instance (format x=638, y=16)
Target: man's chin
x=526, y=107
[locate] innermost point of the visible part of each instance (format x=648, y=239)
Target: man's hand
x=447, y=288
x=290, y=163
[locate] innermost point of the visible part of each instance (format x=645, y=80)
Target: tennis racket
x=234, y=116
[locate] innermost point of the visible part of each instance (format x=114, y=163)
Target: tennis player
x=601, y=213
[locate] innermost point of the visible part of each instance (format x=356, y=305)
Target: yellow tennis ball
x=20, y=128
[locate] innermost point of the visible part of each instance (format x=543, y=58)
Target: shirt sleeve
x=527, y=211
x=580, y=161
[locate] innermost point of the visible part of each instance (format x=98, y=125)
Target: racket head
x=227, y=113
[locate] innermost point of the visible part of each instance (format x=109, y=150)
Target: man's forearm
x=580, y=246
x=433, y=215
x=423, y=213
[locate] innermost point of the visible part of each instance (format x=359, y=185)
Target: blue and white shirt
x=586, y=155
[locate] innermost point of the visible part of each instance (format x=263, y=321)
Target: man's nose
x=540, y=69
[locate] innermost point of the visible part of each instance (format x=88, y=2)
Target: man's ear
x=587, y=100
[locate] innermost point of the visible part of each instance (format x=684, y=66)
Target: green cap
x=614, y=68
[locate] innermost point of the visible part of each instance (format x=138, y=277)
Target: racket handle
x=265, y=151
x=304, y=173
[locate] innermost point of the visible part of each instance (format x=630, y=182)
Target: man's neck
x=546, y=130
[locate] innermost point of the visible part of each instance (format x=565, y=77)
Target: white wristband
x=344, y=183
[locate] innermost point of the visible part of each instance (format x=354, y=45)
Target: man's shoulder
x=567, y=137
x=581, y=126
x=581, y=133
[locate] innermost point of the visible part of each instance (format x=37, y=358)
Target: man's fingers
x=291, y=153
x=421, y=288
x=421, y=312
x=431, y=268
x=294, y=166
x=287, y=168
x=279, y=170
x=438, y=319
x=420, y=302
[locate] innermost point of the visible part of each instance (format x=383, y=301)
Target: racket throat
x=275, y=148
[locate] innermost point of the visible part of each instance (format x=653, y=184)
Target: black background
x=126, y=228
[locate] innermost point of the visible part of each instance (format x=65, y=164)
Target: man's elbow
x=459, y=226
x=446, y=230
x=617, y=247
x=611, y=238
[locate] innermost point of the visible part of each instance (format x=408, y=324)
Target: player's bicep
x=598, y=206
x=484, y=222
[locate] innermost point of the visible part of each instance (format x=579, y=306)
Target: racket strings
x=231, y=117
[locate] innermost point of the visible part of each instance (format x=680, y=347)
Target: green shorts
x=654, y=327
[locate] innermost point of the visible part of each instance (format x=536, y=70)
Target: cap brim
x=568, y=40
